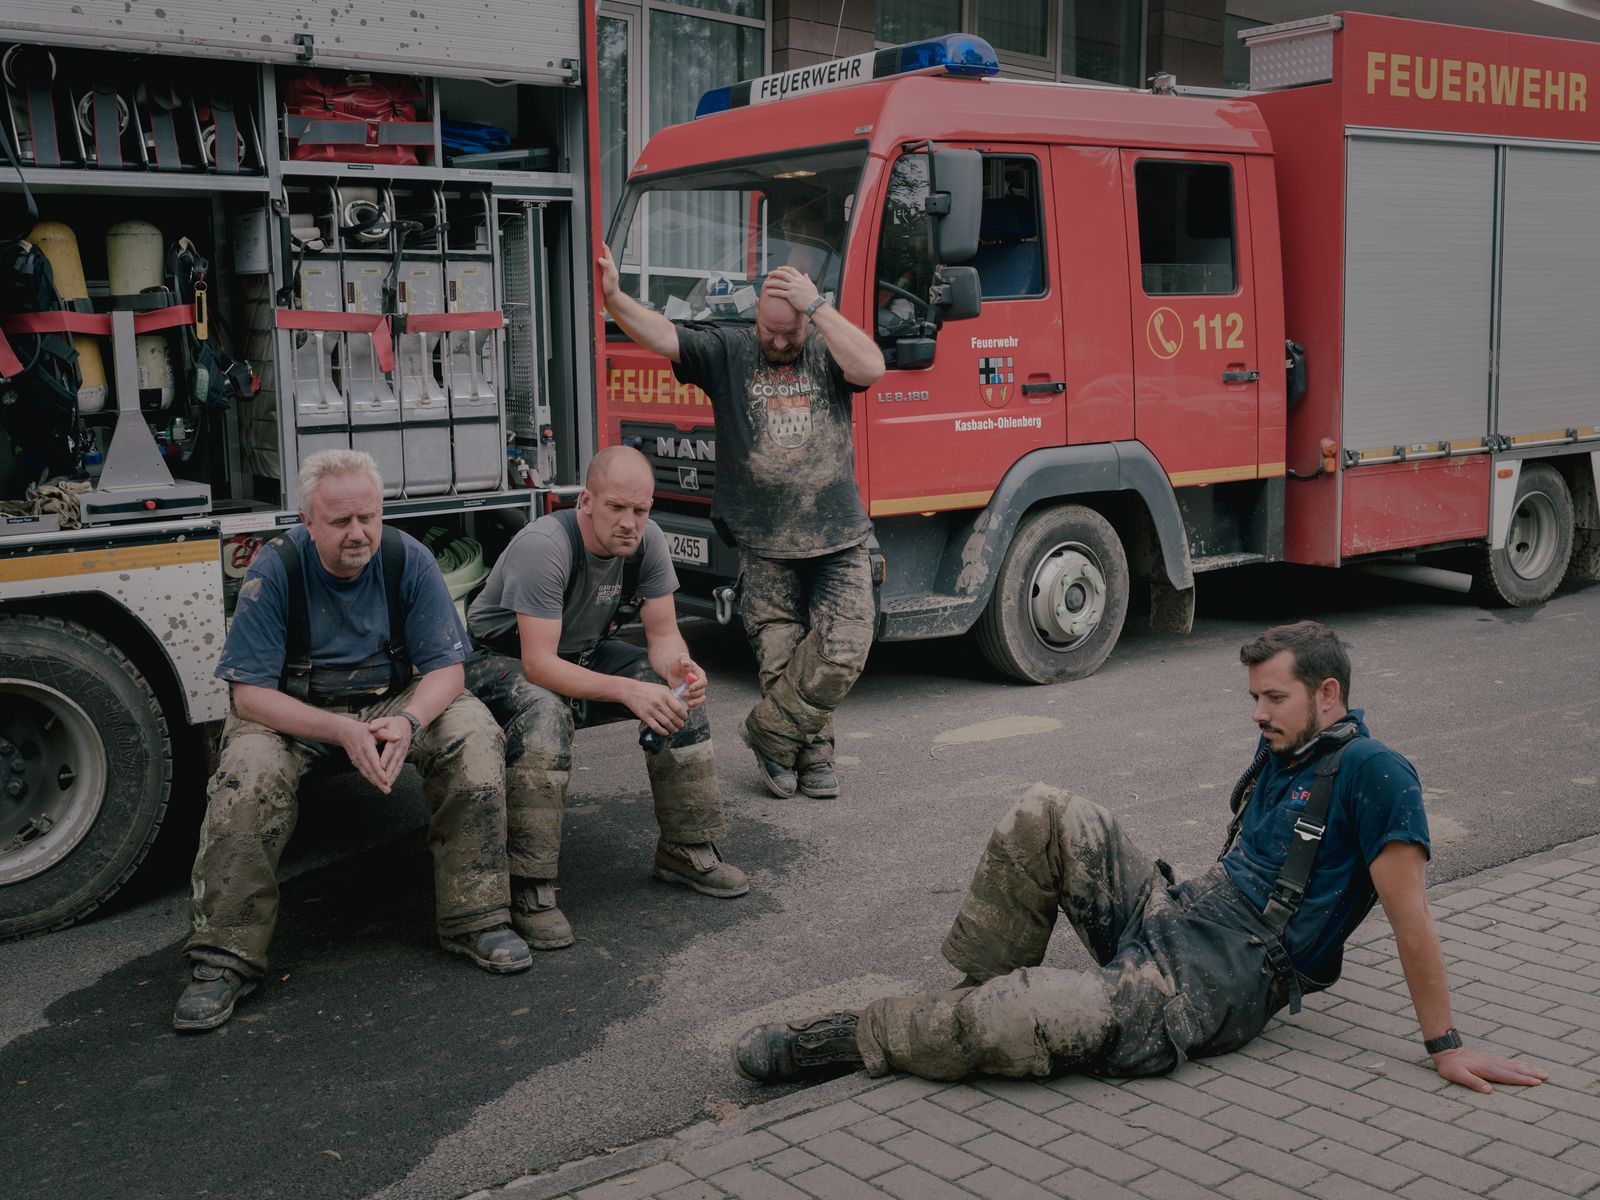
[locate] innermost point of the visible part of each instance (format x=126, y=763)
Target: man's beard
x=354, y=558
x=1300, y=740
x=780, y=357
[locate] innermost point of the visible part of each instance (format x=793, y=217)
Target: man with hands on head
x=545, y=617
x=786, y=494
x=344, y=635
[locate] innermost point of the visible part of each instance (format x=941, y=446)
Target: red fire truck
x=1136, y=336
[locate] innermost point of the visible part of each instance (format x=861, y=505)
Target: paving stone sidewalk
x=1338, y=1102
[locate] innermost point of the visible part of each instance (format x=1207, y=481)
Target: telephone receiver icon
x=1167, y=344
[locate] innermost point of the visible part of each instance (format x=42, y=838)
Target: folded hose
x=460, y=558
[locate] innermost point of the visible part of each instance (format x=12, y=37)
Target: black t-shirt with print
x=786, y=482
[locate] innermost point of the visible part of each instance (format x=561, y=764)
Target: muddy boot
x=499, y=950
x=534, y=913
x=779, y=777
x=821, y=1048
x=209, y=999
x=699, y=866
x=818, y=781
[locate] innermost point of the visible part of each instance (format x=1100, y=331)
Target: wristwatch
x=814, y=305
x=416, y=728
x=1448, y=1040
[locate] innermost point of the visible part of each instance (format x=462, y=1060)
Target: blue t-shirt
x=1377, y=799
x=349, y=621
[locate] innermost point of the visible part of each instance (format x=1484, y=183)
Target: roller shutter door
x=1419, y=266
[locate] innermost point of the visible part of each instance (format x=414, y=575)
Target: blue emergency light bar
x=955, y=53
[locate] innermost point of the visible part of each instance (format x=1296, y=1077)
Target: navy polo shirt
x=1377, y=799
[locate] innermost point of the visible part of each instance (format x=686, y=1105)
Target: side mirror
x=911, y=353
x=958, y=292
x=958, y=204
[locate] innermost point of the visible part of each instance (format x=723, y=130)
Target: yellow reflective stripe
x=1213, y=475
x=111, y=558
x=912, y=504
x=1271, y=470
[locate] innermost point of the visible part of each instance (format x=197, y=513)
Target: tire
x=1532, y=563
x=1058, y=606
x=82, y=732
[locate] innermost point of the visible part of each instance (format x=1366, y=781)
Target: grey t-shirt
x=531, y=577
x=786, y=468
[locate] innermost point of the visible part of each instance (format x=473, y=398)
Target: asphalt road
x=371, y=1064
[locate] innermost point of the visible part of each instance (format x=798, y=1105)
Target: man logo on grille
x=995, y=378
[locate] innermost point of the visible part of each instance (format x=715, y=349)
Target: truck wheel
x=1062, y=594
x=85, y=769
x=1532, y=563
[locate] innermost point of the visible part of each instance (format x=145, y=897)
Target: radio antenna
x=838, y=26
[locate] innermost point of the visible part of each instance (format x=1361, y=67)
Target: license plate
x=686, y=548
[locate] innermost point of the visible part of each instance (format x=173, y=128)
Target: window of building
x=1186, y=244
x=657, y=58
x=1099, y=40
x=911, y=20
x=614, y=35
x=1235, y=55
x=1020, y=27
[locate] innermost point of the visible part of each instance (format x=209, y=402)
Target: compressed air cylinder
x=133, y=263
x=59, y=245
x=424, y=406
x=471, y=357
x=321, y=416
x=374, y=405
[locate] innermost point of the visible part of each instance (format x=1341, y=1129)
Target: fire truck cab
x=1097, y=377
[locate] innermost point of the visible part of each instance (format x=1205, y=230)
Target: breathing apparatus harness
x=39, y=394
x=298, y=669
x=217, y=377
x=1289, y=891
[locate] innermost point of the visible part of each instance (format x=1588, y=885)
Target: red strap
x=163, y=318
x=376, y=324
x=454, y=322
x=97, y=324
x=10, y=364
x=93, y=324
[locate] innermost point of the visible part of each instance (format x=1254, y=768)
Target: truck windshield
x=697, y=246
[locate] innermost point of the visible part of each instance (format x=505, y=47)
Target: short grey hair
x=335, y=462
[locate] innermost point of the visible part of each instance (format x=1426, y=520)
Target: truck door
x=941, y=435
x=1196, y=356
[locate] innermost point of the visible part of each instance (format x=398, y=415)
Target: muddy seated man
x=317, y=669
x=545, y=614
x=786, y=491
x=1187, y=969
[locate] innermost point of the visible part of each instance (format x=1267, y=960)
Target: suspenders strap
x=296, y=677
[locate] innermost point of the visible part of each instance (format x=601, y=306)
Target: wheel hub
x=1068, y=596
x=52, y=777
x=1532, y=539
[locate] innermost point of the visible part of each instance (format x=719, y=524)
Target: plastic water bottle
x=649, y=740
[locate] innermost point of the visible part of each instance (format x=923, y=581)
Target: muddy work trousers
x=251, y=810
x=1183, y=968
x=809, y=621
x=539, y=726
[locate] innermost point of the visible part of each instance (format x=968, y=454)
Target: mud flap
x=1171, y=609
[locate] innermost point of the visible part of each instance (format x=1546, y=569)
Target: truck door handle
x=1053, y=385
x=1241, y=376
